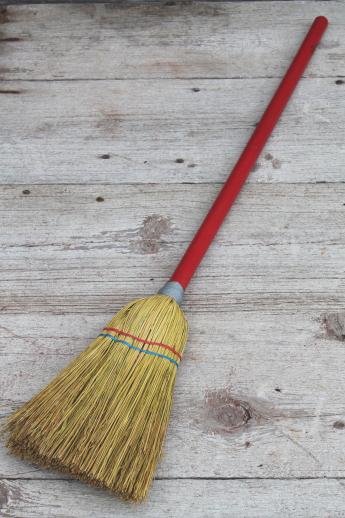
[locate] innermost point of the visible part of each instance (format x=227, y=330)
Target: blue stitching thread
x=138, y=348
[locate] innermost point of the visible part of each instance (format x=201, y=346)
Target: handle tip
x=322, y=21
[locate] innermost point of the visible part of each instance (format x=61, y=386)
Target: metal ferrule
x=174, y=290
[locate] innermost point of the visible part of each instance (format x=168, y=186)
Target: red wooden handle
x=203, y=238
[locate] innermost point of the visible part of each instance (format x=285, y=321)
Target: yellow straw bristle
x=104, y=417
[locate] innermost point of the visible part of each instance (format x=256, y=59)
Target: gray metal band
x=173, y=289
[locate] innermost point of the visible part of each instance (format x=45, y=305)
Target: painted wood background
x=118, y=125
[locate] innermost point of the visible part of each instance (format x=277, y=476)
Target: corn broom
x=104, y=417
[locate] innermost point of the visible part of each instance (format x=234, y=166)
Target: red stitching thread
x=165, y=346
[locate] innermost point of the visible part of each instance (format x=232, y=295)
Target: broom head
x=104, y=417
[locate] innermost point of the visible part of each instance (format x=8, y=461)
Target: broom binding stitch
x=145, y=351
x=142, y=340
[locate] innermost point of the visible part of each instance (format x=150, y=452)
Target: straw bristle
x=104, y=417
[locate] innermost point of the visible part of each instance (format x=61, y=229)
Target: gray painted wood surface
x=119, y=124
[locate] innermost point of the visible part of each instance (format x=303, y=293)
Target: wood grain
x=157, y=39
x=171, y=498
x=281, y=249
x=164, y=132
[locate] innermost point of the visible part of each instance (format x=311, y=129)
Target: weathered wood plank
x=164, y=131
x=186, y=39
x=259, y=395
x=178, y=498
x=282, y=249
